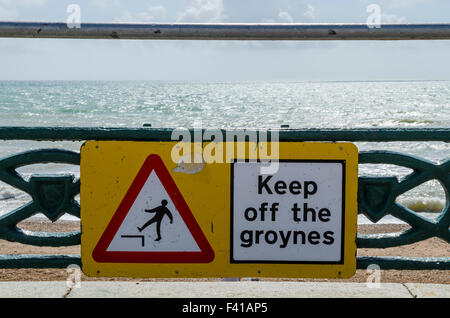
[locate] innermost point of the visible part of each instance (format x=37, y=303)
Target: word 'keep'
x=281, y=187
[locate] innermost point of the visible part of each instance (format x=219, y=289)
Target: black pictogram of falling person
x=159, y=211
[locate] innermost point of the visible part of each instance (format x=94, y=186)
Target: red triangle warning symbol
x=153, y=223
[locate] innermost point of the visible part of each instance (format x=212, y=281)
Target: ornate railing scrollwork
x=377, y=197
x=52, y=195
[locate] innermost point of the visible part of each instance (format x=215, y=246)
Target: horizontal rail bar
x=404, y=263
x=385, y=262
x=165, y=134
x=38, y=261
x=228, y=31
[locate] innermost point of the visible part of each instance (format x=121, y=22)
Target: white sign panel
x=293, y=216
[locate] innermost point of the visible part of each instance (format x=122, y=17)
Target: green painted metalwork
x=376, y=198
x=38, y=261
x=53, y=195
x=165, y=134
x=404, y=263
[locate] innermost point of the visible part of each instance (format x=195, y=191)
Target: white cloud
x=152, y=14
x=310, y=13
x=392, y=18
x=202, y=11
x=285, y=17
x=268, y=21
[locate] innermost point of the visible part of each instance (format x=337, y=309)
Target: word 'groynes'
x=144, y=215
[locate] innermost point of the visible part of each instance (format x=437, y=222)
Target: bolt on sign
x=145, y=215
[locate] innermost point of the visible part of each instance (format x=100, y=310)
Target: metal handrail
x=226, y=31
x=165, y=134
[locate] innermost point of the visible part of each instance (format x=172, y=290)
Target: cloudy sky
x=32, y=59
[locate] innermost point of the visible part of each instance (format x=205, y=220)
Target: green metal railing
x=53, y=195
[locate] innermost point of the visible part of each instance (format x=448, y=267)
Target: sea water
x=248, y=104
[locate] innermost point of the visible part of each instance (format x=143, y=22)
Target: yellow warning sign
x=150, y=210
